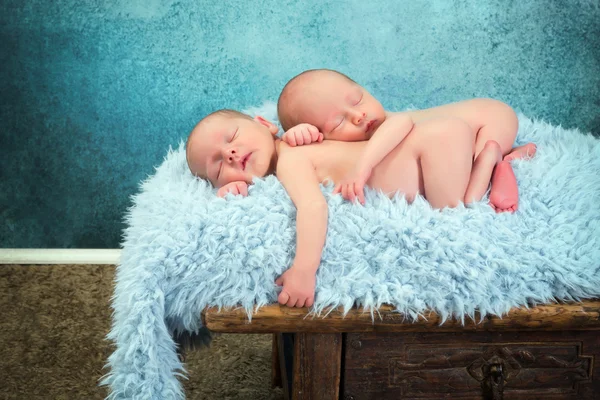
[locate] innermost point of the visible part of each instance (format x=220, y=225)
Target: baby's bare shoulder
x=287, y=154
x=295, y=169
x=285, y=151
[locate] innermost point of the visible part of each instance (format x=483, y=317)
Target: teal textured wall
x=94, y=92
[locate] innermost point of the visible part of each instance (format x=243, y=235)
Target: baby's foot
x=504, y=195
x=526, y=151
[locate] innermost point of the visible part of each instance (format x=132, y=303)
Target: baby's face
x=341, y=109
x=230, y=149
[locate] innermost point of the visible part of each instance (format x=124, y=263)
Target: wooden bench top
x=278, y=319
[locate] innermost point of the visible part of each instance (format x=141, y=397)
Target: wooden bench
x=545, y=352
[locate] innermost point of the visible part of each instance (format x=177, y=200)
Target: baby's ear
x=272, y=127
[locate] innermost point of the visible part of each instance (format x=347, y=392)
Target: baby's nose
x=231, y=154
x=359, y=117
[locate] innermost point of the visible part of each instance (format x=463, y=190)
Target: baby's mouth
x=370, y=125
x=245, y=160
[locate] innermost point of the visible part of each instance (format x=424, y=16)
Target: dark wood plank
x=275, y=365
x=275, y=318
x=317, y=366
x=285, y=346
x=534, y=365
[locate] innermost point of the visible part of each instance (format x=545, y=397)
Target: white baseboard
x=60, y=256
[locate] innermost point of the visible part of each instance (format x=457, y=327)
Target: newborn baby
x=326, y=104
x=230, y=148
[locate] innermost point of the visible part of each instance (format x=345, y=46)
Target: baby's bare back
x=434, y=160
x=399, y=171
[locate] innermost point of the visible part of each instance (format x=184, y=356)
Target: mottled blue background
x=94, y=92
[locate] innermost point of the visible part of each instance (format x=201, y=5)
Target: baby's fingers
x=351, y=194
x=301, y=137
x=292, y=301
x=312, y=129
x=337, y=189
x=345, y=191
x=314, y=133
x=307, y=136
x=290, y=138
x=283, y=297
x=226, y=189
x=310, y=301
x=359, y=190
x=242, y=188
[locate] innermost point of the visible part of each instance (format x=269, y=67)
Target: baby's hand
x=238, y=187
x=353, y=186
x=298, y=287
x=302, y=134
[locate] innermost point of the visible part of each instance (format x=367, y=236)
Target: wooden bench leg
x=317, y=366
x=275, y=364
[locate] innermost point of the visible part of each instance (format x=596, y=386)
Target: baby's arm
x=302, y=134
x=393, y=130
x=298, y=176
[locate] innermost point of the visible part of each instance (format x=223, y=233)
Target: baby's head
x=338, y=106
x=228, y=146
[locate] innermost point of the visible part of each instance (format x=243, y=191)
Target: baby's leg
x=504, y=195
x=526, y=151
x=483, y=167
x=446, y=161
x=501, y=126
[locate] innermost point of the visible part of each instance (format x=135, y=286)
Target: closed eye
x=359, y=100
x=338, y=125
x=235, y=134
x=220, y=168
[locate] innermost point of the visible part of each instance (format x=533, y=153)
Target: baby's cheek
x=360, y=136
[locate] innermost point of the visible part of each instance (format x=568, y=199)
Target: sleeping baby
x=326, y=104
x=230, y=149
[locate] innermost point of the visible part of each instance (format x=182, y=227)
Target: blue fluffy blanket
x=185, y=249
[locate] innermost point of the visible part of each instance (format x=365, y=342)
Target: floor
x=52, y=335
